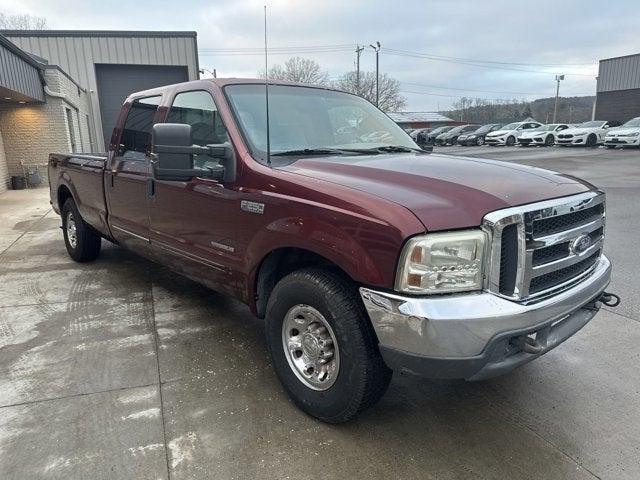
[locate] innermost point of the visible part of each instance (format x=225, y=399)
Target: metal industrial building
x=618, y=90
x=112, y=64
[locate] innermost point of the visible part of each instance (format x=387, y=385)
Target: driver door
x=192, y=222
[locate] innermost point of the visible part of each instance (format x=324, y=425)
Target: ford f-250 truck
x=363, y=253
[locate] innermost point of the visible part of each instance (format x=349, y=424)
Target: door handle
x=151, y=188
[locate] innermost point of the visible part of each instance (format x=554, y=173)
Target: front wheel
x=480, y=141
x=511, y=140
x=323, y=347
x=83, y=244
x=549, y=140
x=591, y=140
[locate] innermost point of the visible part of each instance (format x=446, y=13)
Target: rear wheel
x=549, y=140
x=83, y=244
x=511, y=140
x=591, y=140
x=323, y=347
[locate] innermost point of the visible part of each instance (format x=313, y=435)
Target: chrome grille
x=532, y=253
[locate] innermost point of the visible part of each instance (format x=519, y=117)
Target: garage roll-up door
x=116, y=82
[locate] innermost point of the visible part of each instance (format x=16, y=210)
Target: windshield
x=485, y=128
x=634, y=122
x=306, y=119
x=440, y=130
x=456, y=129
x=590, y=124
x=510, y=126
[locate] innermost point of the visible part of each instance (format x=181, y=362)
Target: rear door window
x=196, y=108
x=135, y=140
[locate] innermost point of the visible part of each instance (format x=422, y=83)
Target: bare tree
x=390, y=98
x=22, y=22
x=298, y=69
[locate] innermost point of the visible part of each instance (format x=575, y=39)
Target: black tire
x=362, y=377
x=591, y=140
x=480, y=141
x=549, y=141
x=86, y=245
x=453, y=141
x=511, y=140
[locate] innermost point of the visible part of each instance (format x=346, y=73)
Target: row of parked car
x=531, y=133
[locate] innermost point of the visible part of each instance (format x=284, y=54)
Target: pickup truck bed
x=83, y=177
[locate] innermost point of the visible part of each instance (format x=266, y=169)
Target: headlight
x=442, y=263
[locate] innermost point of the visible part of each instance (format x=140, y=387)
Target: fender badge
x=252, y=207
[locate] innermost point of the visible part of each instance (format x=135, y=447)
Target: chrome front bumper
x=469, y=335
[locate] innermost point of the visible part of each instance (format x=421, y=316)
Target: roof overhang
x=21, y=78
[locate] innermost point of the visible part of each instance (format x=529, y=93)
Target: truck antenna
x=266, y=86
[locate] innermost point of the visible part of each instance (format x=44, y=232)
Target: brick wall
x=4, y=171
x=32, y=131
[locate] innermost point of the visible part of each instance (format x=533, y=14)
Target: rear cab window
x=135, y=140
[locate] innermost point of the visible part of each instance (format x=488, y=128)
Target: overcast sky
x=534, y=39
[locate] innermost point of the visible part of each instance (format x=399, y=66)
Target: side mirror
x=173, y=150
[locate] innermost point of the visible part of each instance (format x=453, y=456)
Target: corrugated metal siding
x=622, y=73
x=78, y=52
x=19, y=76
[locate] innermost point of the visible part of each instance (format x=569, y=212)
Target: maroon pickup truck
x=363, y=253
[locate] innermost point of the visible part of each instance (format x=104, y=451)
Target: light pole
x=359, y=50
x=555, y=108
x=376, y=47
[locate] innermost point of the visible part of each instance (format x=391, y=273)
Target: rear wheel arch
x=63, y=194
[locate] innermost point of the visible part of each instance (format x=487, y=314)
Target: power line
x=478, y=64
x=477, y=60
x=481, y=91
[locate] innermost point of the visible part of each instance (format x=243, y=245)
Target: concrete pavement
x=119, y=369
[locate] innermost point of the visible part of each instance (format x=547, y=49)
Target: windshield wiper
x=310, y=151
x=390, y=149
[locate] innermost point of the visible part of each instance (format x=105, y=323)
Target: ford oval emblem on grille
x=580, y=244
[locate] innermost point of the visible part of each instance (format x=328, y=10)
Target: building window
x=72, y=136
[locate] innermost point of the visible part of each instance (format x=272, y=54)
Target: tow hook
x=609, y=299
x=527, y=344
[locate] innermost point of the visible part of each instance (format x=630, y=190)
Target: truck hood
x=444, y=192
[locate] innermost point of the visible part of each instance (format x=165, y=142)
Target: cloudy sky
x=438, y=50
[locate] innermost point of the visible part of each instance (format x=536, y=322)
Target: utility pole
x=359, y=50
x=555, y=108
x=376, y=47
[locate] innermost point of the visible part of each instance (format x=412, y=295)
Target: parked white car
x=587, y=134
x=508, y=134
x=628, y=135
x=545, y=135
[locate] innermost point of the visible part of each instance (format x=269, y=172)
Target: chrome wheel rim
x=72, y=231
x=310, y=346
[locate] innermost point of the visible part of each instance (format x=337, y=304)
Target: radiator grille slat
x=537, y=248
